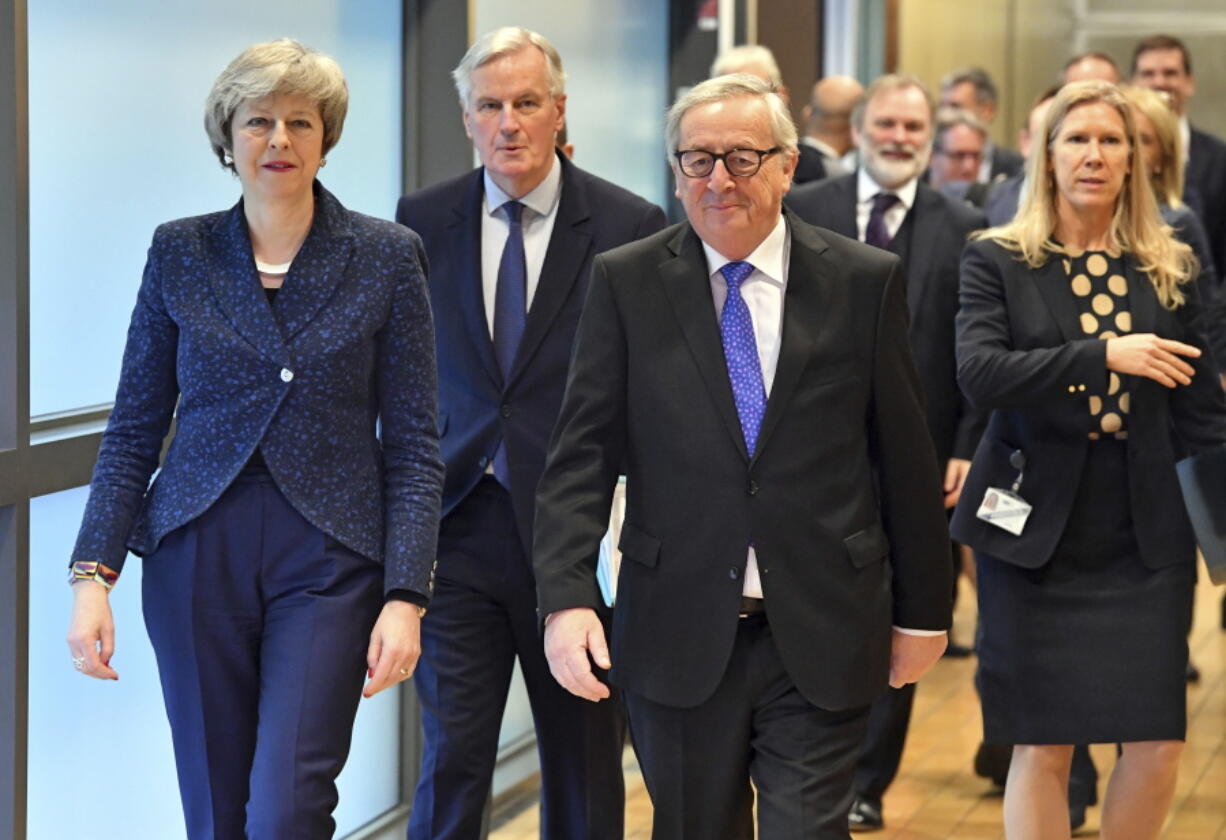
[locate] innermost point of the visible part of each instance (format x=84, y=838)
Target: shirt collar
x=866, y=188
x=767, y=258
x=541, y=199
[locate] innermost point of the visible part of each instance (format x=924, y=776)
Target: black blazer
x=1005, y=163
x=930, y=243
x=1022, y=353
x=1206, y=174
x=476, y=408
x=810, y=166
x=842, y=498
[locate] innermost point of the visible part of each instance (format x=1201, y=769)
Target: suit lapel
x=236, y=285
x=464, y=242
x=925, y=220
x=804, y=301
x=1053, y=283
x=844, y=220
x=318, y=268
x=688, y=289
x=568, y=247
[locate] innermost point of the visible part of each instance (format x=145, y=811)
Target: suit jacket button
x=506, y=412
x=734, y=573
x=483, y=462
x=286, y=374
x=752, y=488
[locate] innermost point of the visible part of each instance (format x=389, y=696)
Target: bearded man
x=884, y=204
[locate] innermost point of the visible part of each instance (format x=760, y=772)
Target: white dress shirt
x=540, y=212
x=762, y=292
x=867, y=189
x=832, y=160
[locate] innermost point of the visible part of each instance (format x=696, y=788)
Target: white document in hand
x=610, y=558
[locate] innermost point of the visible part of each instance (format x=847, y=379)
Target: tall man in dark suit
x=1162, y=63
x=973, y=90
x=886, y=205
x=751, y=375
x=510, y=247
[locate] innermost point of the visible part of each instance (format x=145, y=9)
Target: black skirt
x=1091, y=647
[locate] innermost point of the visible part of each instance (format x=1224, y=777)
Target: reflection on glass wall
x=117, y=146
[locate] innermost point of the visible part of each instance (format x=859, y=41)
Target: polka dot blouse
x=1101, y=291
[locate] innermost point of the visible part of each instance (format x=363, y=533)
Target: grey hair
x=783, y=130
x=948, y=118
x=284, y=67
x=985, y=88
x=734, y=59
x=503, y=42
x=888, y=82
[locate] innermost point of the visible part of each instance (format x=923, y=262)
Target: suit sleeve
x=144, y=405
x=1198, y=410
x=909, y=480
x=991, y=372
x=407, y=384
x=971, y=420
x=576, y=489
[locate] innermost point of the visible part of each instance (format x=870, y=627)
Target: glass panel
x=116, y=147
x=616, y=60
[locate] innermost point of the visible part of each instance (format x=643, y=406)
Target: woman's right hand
x=91, y=632
x=1145, y=354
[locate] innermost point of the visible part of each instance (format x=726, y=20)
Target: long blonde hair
x=1136, y=226
x=1168, y=180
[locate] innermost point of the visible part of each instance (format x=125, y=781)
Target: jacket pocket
x=867, y=546
x=639, y=546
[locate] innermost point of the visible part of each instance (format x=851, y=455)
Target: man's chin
x=892, y=175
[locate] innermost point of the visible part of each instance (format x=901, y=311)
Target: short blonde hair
x=1136, y=226
x=1168, y=182
x=283, y=66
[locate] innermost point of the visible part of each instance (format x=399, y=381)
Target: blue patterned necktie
x=510, y=312
x=741, y=354
x=876, y=233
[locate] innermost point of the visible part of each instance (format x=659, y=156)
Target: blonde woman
x=1077, y=329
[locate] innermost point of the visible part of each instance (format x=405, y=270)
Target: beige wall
x=1021, y=44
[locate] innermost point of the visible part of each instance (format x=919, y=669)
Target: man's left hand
x=955, y=477
x=911, y=656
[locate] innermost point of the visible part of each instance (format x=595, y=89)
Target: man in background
x=510, y=246
x=973, y=90
x=827, y=122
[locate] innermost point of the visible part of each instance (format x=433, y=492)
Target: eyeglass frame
x=762, y=154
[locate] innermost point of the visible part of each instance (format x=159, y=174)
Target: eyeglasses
x=698, y=163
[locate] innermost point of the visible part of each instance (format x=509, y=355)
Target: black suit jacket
x=1005, y=163
x=842, y=498
x=1022, y=354
x=1206, y=174
x=476, y=407
x=810, y=166
x=933, y=236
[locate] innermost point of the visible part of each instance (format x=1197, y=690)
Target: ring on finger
x=78, y=662
x=404, y=672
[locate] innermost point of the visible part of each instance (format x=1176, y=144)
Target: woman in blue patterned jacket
x=289, y=537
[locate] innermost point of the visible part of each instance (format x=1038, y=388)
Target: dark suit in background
x=1206, y=173
x=929, y=243
x=484, y=611
x=1005, y=163
x=810, y=166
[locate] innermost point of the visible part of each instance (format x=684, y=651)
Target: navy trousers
x=482, y=617
x=260, y=623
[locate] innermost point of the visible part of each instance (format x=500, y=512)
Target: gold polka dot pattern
x=1100, y=292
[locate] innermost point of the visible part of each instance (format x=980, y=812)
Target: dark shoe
x=957, y=651
x=865, y=815
x=1076, y=816
x=992, y=762
x=1193, y=673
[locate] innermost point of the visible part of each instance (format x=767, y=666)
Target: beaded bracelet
x=93, y=570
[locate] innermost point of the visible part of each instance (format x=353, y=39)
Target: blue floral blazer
x=335, y=382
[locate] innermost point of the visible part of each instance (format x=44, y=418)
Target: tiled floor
x=937, y=796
